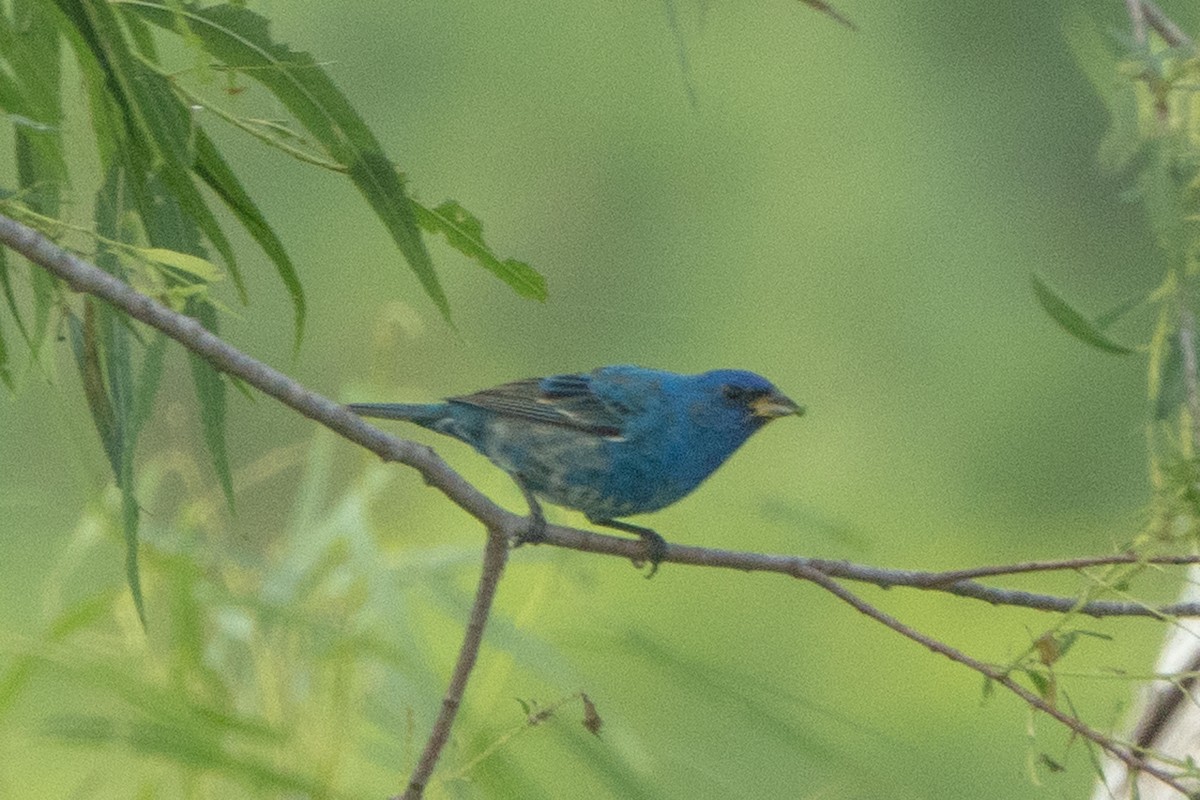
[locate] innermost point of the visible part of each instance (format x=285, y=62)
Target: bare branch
x=1162, y=24
x=1133, y=761
x=494, y=556
x=1059, y=565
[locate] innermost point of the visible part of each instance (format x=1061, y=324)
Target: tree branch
x=1131, y=759
x=85, y=277
x=494, y=556
x=503, y=525
x=1162, y=24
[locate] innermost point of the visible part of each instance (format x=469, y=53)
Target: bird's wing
x=566, y=400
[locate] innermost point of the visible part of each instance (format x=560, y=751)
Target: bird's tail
x=427, y=415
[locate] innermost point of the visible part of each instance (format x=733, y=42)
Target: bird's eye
x=734, y=393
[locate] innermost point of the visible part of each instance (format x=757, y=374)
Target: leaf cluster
x=157, y=220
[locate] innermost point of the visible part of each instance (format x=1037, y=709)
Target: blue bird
x=611, y=443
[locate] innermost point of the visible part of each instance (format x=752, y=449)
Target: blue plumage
x=611, y=443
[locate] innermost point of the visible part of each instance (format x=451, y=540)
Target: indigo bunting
x=611, y=443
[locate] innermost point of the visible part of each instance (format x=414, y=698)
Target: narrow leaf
x=1072, y=321
x=1115, y=313
x=159, y=130
x=115, y=340
x=197, y=267
x=1171, y=387
x=5, y=375
x=11, y=300
x=464, y=232
x=210, y=392
x=148, y=381
x=239, y=37
x=213, y=170
x=87, y=360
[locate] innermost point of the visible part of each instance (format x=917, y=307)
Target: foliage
x=1148, y=90
x=153, y=225
x=299, y=669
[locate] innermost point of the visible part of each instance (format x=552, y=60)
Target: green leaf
x=1041, y=683
x=210, y=392
x=11, y=299
x=1072, y=321
x=103, y=350
x=158, y=129
x=213, y=170
x=5, y=375
x=1163, y=188
x=1171, y=386
x=197, y=267
x=87, y=360
x=1108, y=318
x=464, y=232
x=148, y=381
x=33, y=50
x=239, y=38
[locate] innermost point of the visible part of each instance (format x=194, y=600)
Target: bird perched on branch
x=611, y=443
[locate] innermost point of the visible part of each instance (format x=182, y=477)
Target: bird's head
x=750, y=399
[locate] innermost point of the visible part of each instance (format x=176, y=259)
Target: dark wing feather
x=566, y=400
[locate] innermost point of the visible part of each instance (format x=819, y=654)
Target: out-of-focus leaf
x=35, y=55
x=1115, y=313
x=1163, y=188
x=213, y=170
x=32, y=49
x=829, y=11
x=1096, y=59
x=184, y=745
x=87, y=360
x=118, y=383
x=1171, y=387
x=1072, y=321
x=464, y=232
x=11, y=300
x=5, y=375
x=239, y=38
x=210, y=392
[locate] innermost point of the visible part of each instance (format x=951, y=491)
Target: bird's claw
x=656, y=550
x=534, y=533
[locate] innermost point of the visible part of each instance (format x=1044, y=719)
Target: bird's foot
x=656, y=550
x=534, y=533
x=656, y=546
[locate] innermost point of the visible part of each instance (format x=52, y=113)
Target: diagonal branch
x=1132, y=760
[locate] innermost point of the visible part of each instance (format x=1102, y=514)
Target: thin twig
x=1134, y=762
x=1162, y=24
x=1059, y=565
x=494, y=556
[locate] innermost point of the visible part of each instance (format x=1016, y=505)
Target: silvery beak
x=773, y=405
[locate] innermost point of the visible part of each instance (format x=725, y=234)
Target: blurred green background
x=854, y=215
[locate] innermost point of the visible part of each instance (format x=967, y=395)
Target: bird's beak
x=773, y=405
